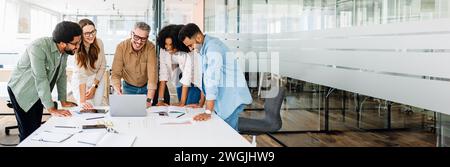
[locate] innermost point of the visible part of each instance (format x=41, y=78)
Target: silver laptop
x=128, y=105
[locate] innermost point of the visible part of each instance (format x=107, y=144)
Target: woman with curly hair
x=176, y=66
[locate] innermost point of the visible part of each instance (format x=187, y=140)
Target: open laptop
x=128, y=105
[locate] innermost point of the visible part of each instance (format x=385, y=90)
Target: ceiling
x=95, y=7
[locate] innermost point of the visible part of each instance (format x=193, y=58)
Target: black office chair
x=270, y=123
x=8, y=128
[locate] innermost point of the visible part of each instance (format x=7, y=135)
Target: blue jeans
x=233, y=119
x=130, y=89
x=193, y=96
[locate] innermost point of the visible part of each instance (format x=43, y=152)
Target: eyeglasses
x=137, y=37
x=92, y=33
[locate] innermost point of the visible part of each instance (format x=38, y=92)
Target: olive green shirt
x=30, y=80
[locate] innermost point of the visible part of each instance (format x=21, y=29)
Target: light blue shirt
x=223, y=80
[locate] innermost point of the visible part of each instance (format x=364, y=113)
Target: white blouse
x=100, y=66
x=170, y=66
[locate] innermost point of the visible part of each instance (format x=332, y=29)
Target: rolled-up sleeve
x=212, y=73
x=62, y=80
x=186, y=80
x=117, y=66
x=102, y=59
x=152, y=67
x=37, y=60
x=164, y=63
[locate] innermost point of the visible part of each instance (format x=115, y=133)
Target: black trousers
x=166, y=96
x=28, y=121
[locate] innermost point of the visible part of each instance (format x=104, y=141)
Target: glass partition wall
x=291, y=28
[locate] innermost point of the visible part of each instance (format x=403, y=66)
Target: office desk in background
x=152, y=131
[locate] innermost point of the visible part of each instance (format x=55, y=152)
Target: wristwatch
x=208, y=112
x=149, y=100
x=95, y=86
x=161, y=99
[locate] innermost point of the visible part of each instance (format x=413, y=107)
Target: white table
x=151, y=132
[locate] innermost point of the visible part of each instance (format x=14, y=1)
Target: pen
x=65, y=127
x=180, y=115
x=95, y=118
x=92, y=144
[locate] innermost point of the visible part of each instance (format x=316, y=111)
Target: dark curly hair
x=188, y=31
x=66, y=31
x=171, y=31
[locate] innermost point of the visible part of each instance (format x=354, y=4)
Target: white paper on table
x=47, y=136
x=65, y=130
x=196, y=110
x=168, y=109
x=91, y=138
x=157, y=109
x=116, y=140
x=176, y=109
x=177, y=121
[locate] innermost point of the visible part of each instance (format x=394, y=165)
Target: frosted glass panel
x=391, y=49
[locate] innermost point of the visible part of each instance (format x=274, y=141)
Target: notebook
x=90, y=138
x=47, y=136
x=104, y=139
x=116, y=140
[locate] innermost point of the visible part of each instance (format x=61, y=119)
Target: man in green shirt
x=39, y=69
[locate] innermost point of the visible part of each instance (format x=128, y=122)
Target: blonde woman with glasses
x=88, y=83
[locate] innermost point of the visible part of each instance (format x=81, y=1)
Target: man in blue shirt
x=223, y=82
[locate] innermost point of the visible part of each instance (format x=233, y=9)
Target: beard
x=197, y=47
x=69, y=52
